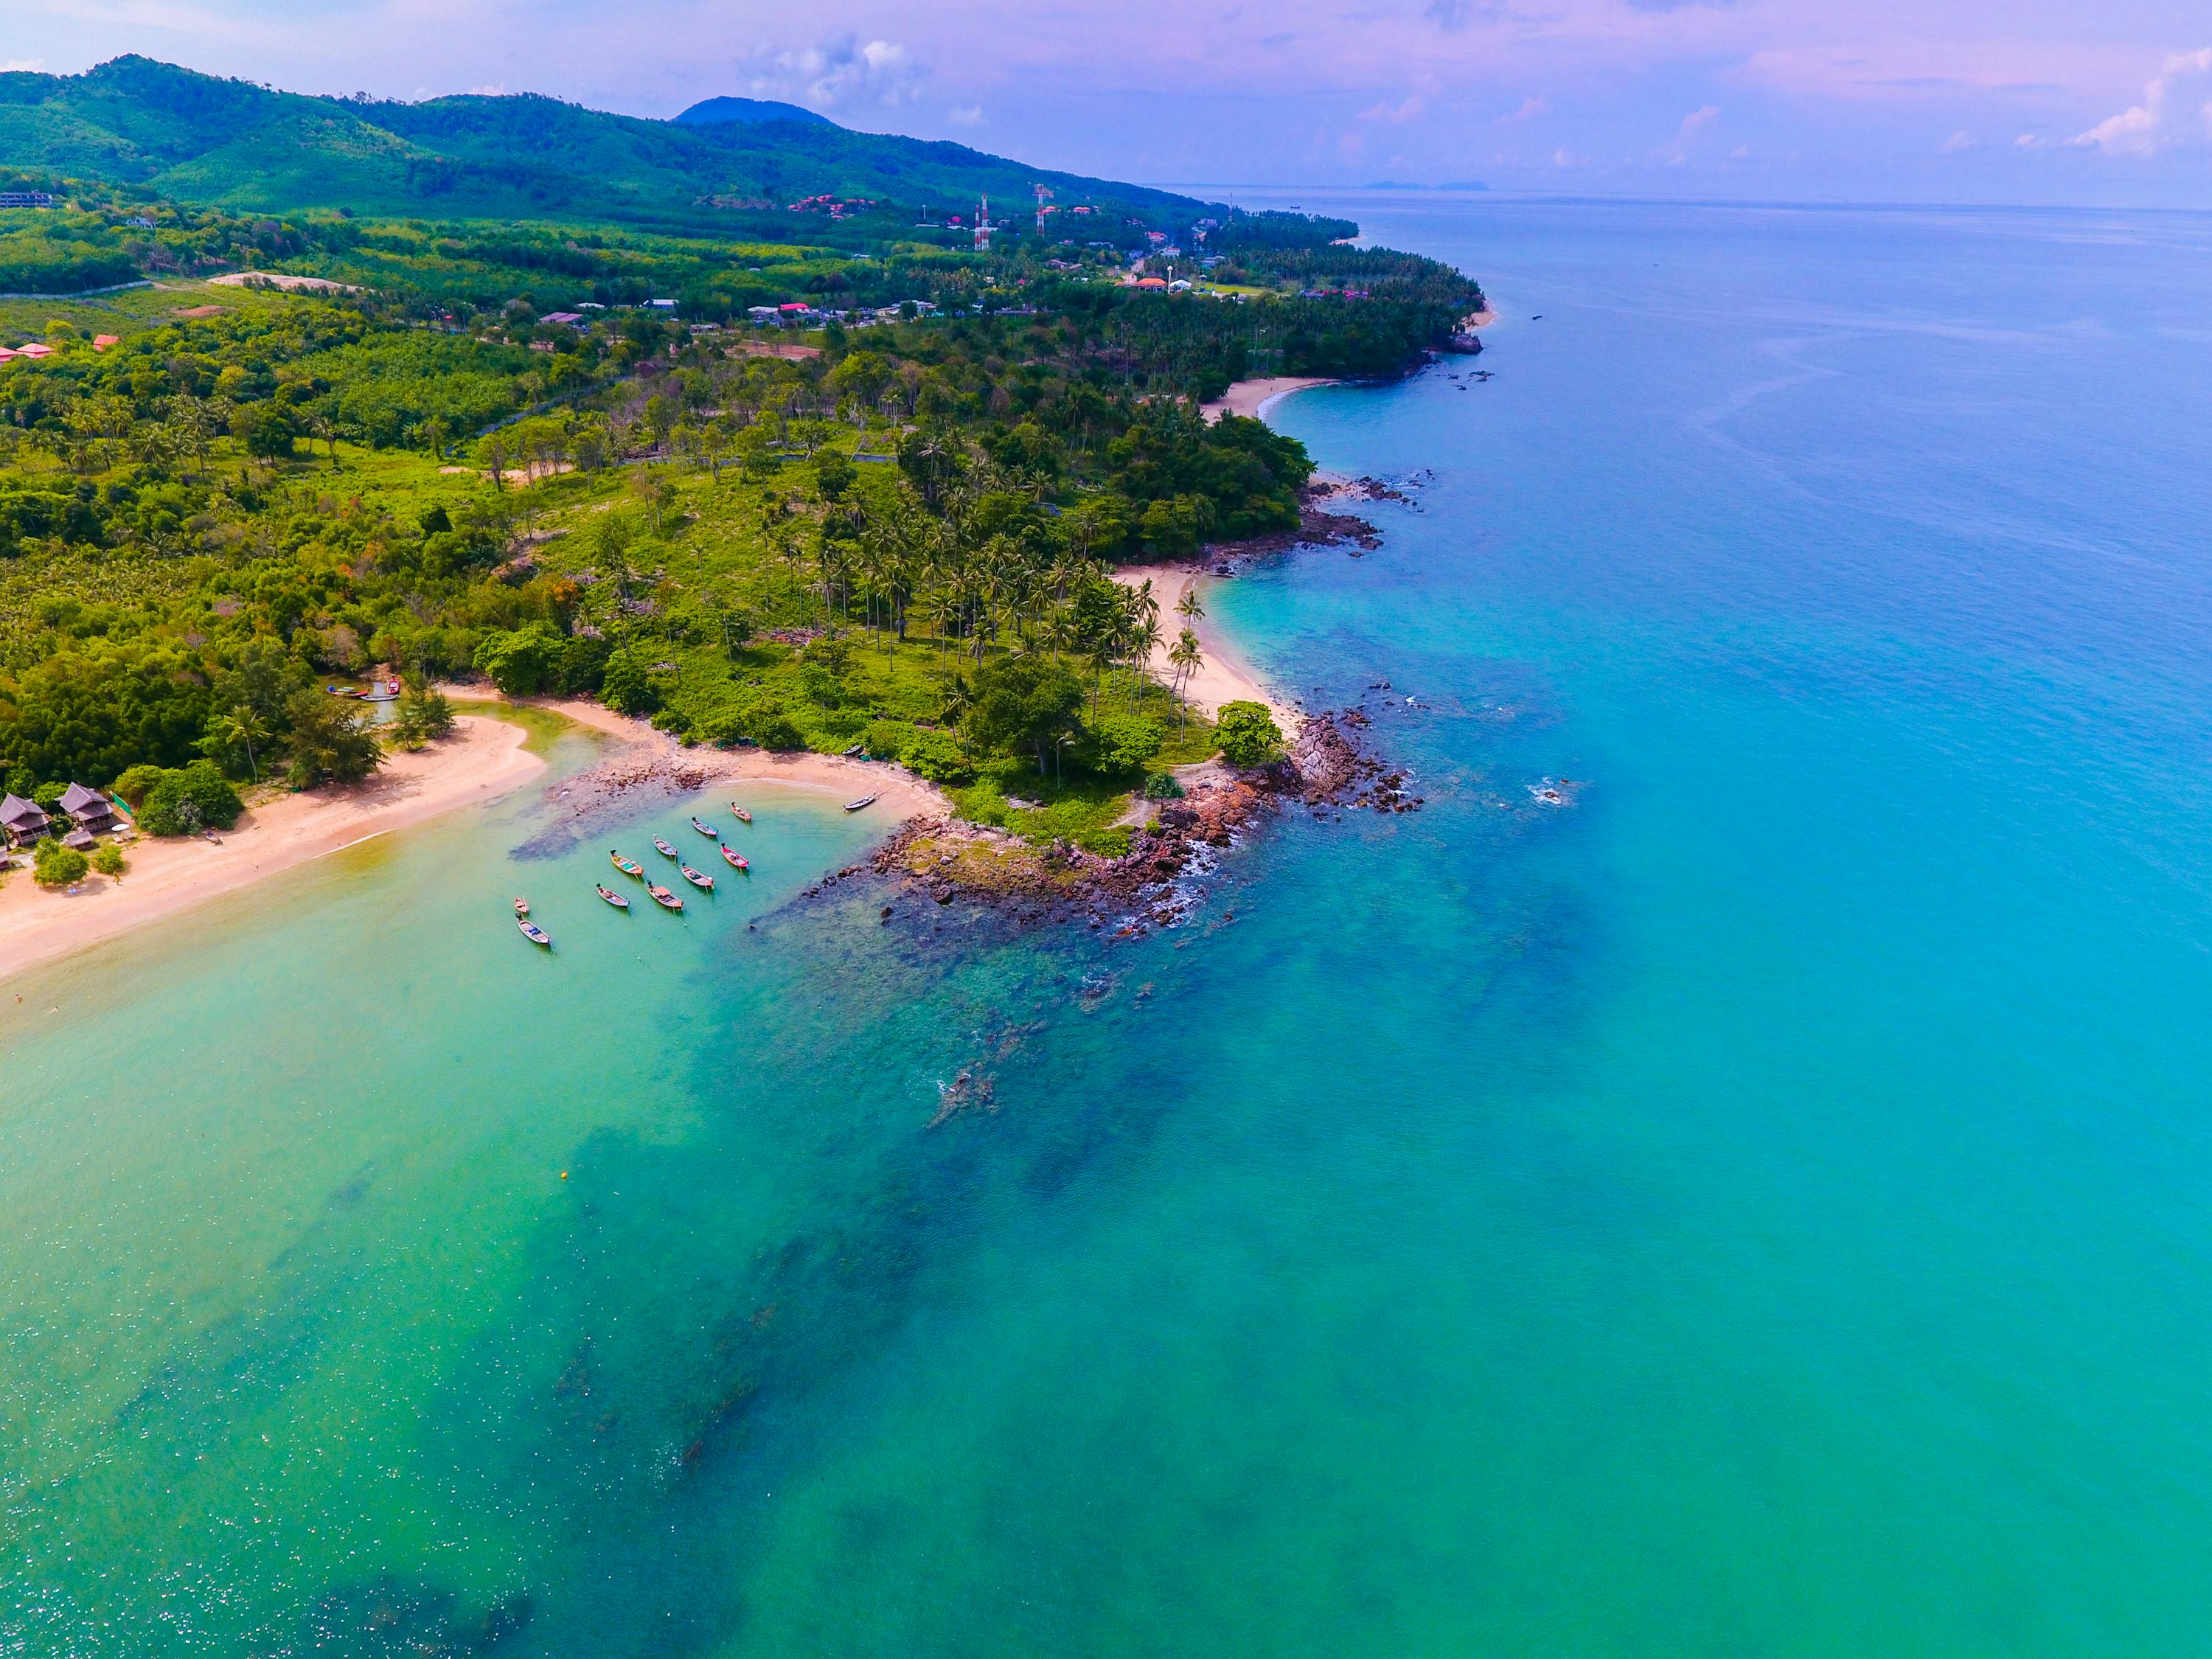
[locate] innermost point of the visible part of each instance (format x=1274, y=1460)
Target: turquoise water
x=1760, y=1208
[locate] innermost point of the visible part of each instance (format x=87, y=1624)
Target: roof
x=79, y=841
x=76, y=799
x=101, y=341
x=36, y=349
x=14, y=809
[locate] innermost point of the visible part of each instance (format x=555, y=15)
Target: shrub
x=1162, y=786
x=779, y=731
x=134, y=783
x=1249, y=734
x=627, y=688
x=1125, y=741
x=57, y=865
x=107, y=859
x=934, y=756
x=523, y=662
x=887, y=740
x=185, y=802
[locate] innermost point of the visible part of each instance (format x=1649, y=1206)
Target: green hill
x=712, y=111
x=198, y=137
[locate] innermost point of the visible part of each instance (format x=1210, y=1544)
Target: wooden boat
x=628, y=866
x=611, y=896
x=744, y=817
x=737, y=860
x=522, y=907
x=856, y=805
x=705, y=883
x=534, y=933
x=663, y=848
x=706, y=829
x=664, y=898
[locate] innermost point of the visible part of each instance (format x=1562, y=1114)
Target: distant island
x=858, y=480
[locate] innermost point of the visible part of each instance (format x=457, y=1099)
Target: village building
x=21, y=821
x=89, y=810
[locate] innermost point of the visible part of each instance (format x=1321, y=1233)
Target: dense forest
x=890, y=525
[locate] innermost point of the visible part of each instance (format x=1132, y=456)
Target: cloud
x=491, y=91
x=1959, y=141
x=22, y=66
x=2028, y=141
x=1696, y=118
x=967, y=115
x=1411, y=106
x=2175, y=109
x=841, y=70
x=1531, y=107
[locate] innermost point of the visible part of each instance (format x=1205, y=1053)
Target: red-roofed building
x=101, y=341
x=36, y=349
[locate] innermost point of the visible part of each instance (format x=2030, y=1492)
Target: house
x=8, y=354
x=32, y=198
x=35, y=349
x=79, y=841
x=89, y=809
x=101, y=341
x=21, y=821
x=571, y=317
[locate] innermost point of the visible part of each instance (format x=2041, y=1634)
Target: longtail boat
x=628, y=866
x=663, y=848
x=612, y=897
x=663, y=897
x=706, y=829
x=856, y=805
x=744, y=817
x=705, y=883
x=737, y=860
x=534, y=933
x=522, y=907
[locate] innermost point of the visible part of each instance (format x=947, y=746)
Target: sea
x=1753, y=1200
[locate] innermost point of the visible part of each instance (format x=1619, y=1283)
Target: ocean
x=1756, y=1205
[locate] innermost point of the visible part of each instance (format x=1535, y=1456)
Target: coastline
x=1252, y=399
x=1225, y=677
x=480, y=762
x=650, y=755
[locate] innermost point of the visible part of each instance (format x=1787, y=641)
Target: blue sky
x=2018, y=100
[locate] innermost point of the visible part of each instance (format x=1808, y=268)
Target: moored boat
x=534, y=933
x=699, y=879
x=706, y=829
x=744, y=817
x=611, y=896
x=856, y=805
x=663, y=848
x=663, y=897
x=521, y=907
x=737, y=860
x=628, y=866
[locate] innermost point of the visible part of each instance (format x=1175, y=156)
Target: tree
x=1187, y=660
x=1125, y=741
x=422, y=715
x=241, y=728
x=331, y=739
x=833, y=474
x=183, y=802
x=519, y=662
x=107, y=859
x=270, y=433
x=1024, y=703
x=56, y=865
x=627, y=689
x=1249, y=734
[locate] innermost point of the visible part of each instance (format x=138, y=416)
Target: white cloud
x=1412, y=106
x=23, y=66
x=493, y=91
x=1960, y=140
x=966, y=115
x=2028, y=141
x=841, y=70
x=1696, y=118
x=2175, y=109
x=1531, y=107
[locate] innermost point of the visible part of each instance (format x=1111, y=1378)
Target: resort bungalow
x=89, y=810
x=21, y=821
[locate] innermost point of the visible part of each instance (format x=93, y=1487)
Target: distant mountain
x=713, y=111
x=200, y=138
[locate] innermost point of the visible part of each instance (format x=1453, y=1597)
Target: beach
x=1250, y=398
x=482, y=760
x=1223, y=676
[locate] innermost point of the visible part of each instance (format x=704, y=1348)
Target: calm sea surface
x=1761, y=1207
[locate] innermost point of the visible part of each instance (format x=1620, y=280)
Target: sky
x=2104, y=102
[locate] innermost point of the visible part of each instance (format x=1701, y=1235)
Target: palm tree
x=1188, y=659
x=1190, y=607
x=241, y=727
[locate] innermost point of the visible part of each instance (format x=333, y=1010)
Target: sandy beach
x=1250, y=398
x=482, y=760
x=899, y=794
x=1223, y=676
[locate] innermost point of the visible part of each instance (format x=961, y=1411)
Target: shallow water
x=1757, y=1208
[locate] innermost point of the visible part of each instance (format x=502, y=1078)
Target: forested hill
x=186, y=135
